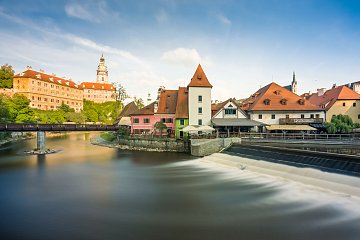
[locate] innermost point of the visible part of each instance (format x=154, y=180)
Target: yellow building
x=48, y=92
x=99, y=91
x=338, y=100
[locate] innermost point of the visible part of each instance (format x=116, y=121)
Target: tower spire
x=102, y=72
x=294, y=84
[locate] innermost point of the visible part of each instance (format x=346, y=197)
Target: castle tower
x=102, y=72
x=199, y=99
x=294, y=84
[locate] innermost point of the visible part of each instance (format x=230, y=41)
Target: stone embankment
x=196, y=147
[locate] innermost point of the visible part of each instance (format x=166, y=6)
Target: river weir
x=92, y=192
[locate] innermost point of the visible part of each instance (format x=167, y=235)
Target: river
x=91, y=192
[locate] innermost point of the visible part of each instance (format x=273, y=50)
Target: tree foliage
x=139, y=102
x=340, y=124
x=6, y=76
x=105, y=112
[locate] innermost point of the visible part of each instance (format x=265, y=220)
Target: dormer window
x=38, y=76
x=267, y=101
x=199, y=77
x=277, y=92
x=301, y=101
x=283, y=101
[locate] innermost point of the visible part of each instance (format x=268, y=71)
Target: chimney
x=321, y=91
x=334, y=85
x=28, y=67
x=42, y=71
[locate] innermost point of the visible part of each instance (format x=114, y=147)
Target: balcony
x=299, y=121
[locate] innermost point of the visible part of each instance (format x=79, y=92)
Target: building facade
x=181, y=113
x=282, y=110
x=338, y=100
x=48, y=92
x=199, y=99
x=99, y=91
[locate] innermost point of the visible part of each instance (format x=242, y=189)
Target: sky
x=242, y=45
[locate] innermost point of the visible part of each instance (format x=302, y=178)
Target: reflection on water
x=91, y=192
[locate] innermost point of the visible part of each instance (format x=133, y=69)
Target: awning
x=318, y=125
x=196, y=128
x=290, y=127
x=238, y=122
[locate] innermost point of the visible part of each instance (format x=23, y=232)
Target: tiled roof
x=97, y=86
x=147, y=110
x=127, y=111
x=273, y=97
x=199, y=79
x=182, y=110
x=218, y=106
x=330, y=96
x=167, y=102
x=47, y=78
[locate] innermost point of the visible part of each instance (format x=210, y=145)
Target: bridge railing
x=14, y=127
x=296, y=136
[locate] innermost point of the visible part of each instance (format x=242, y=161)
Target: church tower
x=294, y=84
x=199, y=99
x=102, y=72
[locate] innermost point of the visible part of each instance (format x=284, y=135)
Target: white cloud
x=161, y=16
x=183, y=56
x=223, y=19
x=82, y=11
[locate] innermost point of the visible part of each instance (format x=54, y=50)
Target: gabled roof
x=328, y=99
x=167, y=102
x=29, y=73
x=215, y=108
x=127, y=111
x=98, y=86
x=273, y=97
x=147, y=110
x=199, y=79
x=182, y=110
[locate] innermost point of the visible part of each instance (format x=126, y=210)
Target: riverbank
x=348, y=185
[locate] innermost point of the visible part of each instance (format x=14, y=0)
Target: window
x=199, y=98
x=200, y=110
x=32, y=98
x=163, y=120
x=136, y=120
x=168, y=120
x=311, y=115
x=344, y=104
x=354, y=104
x=146, y=120
x=317, y=115
x=200, y=122
x=283, y=101
x=182, y=121
x=287, y=116
x=302, y=116
x=358, y=116
x=272, y=116
x=230, y=111
x=267, y=101
x=260, y=116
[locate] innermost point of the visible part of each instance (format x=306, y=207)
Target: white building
x=199, y=99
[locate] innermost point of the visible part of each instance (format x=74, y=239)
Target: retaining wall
x=155, y=144
x=205, y=147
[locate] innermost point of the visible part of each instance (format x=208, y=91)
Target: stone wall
x=205, y=147
x=168, y=145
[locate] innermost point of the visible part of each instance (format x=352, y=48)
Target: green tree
x=160, y=126
x=4, y=111
x=340, y=124
x=75, y=117
x=66, y=108
x=6, y=76
x=139, y=102
x=18, y=104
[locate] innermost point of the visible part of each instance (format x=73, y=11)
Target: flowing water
x=92, y=192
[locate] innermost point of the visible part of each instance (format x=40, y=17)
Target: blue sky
x=242, y=45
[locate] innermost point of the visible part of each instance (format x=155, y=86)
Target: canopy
x=241, y=122
x=290, y=127
x=196, y=128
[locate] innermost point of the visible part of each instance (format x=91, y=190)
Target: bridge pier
x=41, y=148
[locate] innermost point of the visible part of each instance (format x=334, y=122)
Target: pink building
x=162, y=110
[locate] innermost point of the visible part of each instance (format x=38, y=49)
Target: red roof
x=147, y=110
x=182, y=110
x=97, y=86
x=48, y=78
x=273, y=97
x=199, y=79
x=328, y=99
x=167, y=102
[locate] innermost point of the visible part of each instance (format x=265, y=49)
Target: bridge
x=42, y=128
